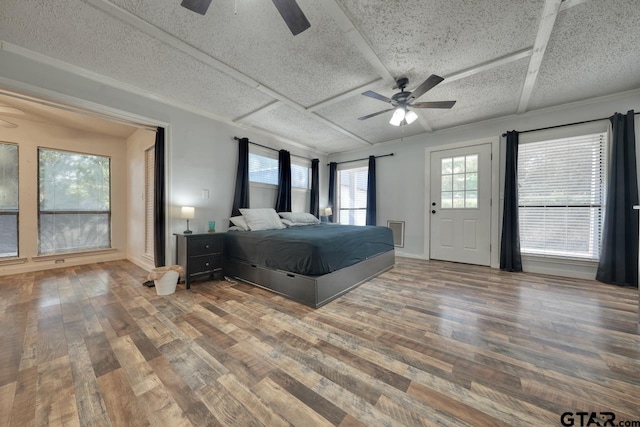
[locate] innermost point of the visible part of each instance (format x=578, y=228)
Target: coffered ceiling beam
x=345, y=95
x=549, y=15
x=516, y=56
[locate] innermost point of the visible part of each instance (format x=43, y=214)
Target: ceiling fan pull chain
x=235, y=7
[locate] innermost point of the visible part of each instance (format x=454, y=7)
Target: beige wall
x=137, y=144
x=31, y=135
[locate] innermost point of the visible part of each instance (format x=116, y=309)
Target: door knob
x=433, y=203
x=433, y=211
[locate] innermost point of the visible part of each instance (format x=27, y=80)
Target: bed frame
x=314, y=291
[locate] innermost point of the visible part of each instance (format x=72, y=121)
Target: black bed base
x=314, y=291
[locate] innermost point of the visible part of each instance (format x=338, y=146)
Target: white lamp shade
x=410, y=117
x=187, y=212
x=328, y=212
x=398, y=117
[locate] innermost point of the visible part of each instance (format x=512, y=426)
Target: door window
x=459, y=182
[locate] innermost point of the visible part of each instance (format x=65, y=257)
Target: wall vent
x=397, y=228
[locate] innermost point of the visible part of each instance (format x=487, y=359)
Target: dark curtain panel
x=371, y=192
x=241, y=195
x=510, y=258
x=619, y=257
x=315, y=188
x=283, y=201
x=158, y=201
x=333, y=168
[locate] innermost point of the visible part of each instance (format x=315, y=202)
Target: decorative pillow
x=235, y=228
x=292, y=224
x=262, y=219
x=240, y=222
x=300, y=217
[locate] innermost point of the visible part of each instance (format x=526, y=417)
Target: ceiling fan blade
x=197, y=6
x=375, y=95
x=375, y=114
x=292, y=15
x=428, y=84
x=433, y=104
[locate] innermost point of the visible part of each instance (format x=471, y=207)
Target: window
x=264, y=169
x=74, y=207
x=8, y=200
x=352, y=189
x=459, y=181
x=149, y=198
x=561, y=186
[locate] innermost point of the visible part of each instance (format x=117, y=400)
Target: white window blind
x=74, y=201
x=8, y=200
x=561, y=194
x=149, y=197
x=352, y=185
x=264, y=169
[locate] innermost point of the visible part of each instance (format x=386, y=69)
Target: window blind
x=149, y=194
x=352, y=187
x=74, y=201
x=561, y=195
x=8, y=200
x=264, y=169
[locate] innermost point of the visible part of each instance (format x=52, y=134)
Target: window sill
x=560, y=260
x=11, y=261
x=64, y=255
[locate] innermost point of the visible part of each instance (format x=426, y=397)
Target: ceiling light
x=5, y=124
x=10, y=110
x=410, y=117
x=398, y=117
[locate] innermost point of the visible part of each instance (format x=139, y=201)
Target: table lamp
x=187, y=212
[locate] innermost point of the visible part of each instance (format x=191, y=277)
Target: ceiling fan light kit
x=403, y=99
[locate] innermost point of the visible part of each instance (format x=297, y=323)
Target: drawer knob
x=207, y=264
x=206, y=246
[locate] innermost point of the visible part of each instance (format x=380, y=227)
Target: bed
x=311, y=264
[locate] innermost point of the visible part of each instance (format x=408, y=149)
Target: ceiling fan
x=402, y=100
x=289, y=9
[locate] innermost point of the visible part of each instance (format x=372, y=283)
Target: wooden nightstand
x=200, y=254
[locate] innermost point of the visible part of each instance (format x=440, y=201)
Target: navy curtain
x=510, y=257
x=283, y=201
x=333, y=168
x=371, y=192
x=619, y=255
x=315, y=188
x=241, y=195
x=158, y=201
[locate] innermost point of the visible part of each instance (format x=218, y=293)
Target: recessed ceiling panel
x=417, y=38
x=252, y=37
x=492, y=93
x=299, y=127
x=376, y=129
x=79, y=34
x=594, y=50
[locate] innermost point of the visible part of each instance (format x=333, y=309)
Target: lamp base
x=187, y=232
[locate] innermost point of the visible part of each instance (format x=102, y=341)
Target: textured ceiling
x=240, y=61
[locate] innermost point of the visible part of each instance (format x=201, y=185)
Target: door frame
x=495, y=193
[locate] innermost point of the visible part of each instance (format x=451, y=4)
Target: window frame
x=568, y=133
x=339, y=208
x=39, y=211
x=295, y=160
x=14, y=212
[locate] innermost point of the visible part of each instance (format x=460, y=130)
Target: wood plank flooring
x=427, y=343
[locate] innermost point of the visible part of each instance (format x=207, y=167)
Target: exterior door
x=460, y=205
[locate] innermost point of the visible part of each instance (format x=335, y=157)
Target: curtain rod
x=272, y=149
x=567, y=124
x=359, y=160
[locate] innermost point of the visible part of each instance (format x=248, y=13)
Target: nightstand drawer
x=205, y=263
x=205, y=245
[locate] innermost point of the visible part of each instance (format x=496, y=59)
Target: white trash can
x=165, y=279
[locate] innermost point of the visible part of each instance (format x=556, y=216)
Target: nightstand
x=200, y=255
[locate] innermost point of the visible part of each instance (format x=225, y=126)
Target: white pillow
x=262, y=219
x=292, y=224
x=300, y=217
x=240, y=222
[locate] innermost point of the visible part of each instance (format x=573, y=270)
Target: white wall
x=201, y=152
x=31, y=135
x=401, y=187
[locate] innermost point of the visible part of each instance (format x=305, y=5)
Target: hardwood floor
x=427, y=343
